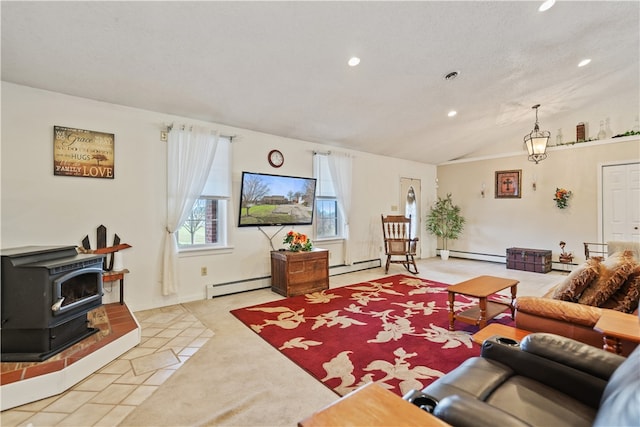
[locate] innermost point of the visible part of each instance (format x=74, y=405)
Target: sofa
x=573, y=307
x=564, y=318
x=546, y=380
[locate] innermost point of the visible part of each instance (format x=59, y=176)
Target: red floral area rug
x=393, y=330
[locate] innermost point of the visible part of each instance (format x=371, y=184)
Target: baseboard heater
x=478, y=256
x=228, y=288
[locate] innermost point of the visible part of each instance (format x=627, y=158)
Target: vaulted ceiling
x=281, y=67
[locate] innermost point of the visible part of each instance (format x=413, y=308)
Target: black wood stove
x=46, y=293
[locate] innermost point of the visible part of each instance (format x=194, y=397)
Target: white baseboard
x=358, y=266
x=502, y=259
x=220, y=289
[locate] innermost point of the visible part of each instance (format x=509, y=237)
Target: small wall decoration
x=85, y=153
x=508, y=184
x=562, y=196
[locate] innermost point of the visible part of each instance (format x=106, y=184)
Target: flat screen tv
x=275, y=200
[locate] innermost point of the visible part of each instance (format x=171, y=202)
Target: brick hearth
x=24, y=382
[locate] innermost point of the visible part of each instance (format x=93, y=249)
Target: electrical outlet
x=394, y=208
x=203, y=271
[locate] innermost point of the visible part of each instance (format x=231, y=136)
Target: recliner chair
x=548, y=380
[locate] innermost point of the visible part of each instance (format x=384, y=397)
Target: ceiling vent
x=450, y=76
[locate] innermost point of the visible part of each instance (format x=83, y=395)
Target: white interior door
x=621, y=202
x=410, y=205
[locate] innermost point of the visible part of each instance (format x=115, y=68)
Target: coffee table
x=480, y=287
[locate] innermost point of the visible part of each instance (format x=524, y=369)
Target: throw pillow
x=577, y=281
x=613, y=274
x=626, y=298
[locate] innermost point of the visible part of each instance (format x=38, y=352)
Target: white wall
x=533, y=221
x=38, y=208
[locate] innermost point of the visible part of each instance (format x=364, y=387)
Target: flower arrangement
x=565, y=257
x=562, y=197
x=297, y=242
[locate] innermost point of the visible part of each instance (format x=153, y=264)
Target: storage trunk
x=299, y=273
x=536, y=260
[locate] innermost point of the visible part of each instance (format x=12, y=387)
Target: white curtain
x=340, y=167
x=190, y=153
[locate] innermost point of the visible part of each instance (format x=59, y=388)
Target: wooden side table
x=372, y=406
x=614, y=326
x=112, y=276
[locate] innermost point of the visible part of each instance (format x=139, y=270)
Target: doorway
x=620, y=206
x=410, y=205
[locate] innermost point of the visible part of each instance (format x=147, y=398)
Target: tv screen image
x=276, y=200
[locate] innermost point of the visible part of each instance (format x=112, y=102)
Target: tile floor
x=170, y=336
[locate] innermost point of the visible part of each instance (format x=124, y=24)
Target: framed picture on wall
x=85, y=153
x=508, y=184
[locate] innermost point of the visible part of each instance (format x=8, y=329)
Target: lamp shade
x=537, y=145
x=536, y=141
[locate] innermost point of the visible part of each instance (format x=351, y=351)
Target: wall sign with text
x=86, y=153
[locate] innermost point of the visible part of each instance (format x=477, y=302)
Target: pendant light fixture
x=536, y=141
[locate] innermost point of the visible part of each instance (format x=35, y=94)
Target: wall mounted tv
x=275, y=200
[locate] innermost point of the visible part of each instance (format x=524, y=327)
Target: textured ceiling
x=280, y=67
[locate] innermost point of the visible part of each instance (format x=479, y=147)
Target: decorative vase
x=444, y=254
x=602, y=134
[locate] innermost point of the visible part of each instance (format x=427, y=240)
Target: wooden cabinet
x=298, y=273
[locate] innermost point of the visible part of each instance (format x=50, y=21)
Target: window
x=201, y=227
x=206, y=225
x=327, y=212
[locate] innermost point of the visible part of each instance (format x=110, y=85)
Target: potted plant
x=444, y=220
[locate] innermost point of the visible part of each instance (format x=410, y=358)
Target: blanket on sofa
x=613, y=283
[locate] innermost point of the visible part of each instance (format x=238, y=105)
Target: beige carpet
x=237, y=379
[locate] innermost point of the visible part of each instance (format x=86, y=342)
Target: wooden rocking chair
x=396, y=230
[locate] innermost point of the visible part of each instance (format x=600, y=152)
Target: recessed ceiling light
x=546, y=5
x=353, y=61
x=584, y=62
x=452, y=113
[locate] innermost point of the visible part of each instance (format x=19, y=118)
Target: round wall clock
x=276, y=159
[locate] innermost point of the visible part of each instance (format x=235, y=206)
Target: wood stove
x=46, y=293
